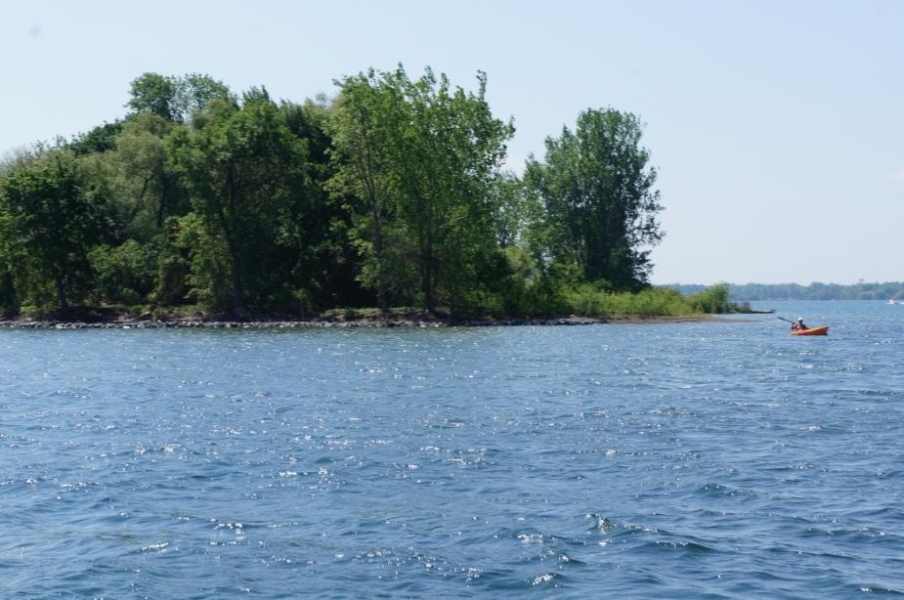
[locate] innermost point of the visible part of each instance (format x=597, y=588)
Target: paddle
x=793, y=324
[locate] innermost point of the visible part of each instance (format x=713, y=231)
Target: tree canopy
x=596, y=187
x=392, y=193
x=420, y=160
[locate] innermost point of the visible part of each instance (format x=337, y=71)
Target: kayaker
x=799, y=325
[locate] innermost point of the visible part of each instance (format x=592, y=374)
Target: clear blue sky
x=776, y=126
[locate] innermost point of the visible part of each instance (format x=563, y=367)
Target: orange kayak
x=821, y=330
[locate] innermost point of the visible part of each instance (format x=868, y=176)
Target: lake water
x=692, y=460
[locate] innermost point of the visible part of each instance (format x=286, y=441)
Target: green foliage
x=420, y=161
x=48, y=223
x=515, y=210
x=100, y=139
x=246, y=173
x=548, y=294
x=125, y=274
x=589, y=301
x=599, y=204
x=452, y=155
x=9, y=300
x=174, y=98
x=154, y=93
x=391, y=195
x=365, y=128
x=145, y=186
x=208, y=279
x=174, y=262
x=712, y=300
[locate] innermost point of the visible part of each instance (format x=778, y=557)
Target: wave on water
x=705, y=460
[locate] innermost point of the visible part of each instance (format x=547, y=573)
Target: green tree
x=454, y=148
x=714, y=299
x=142, y=189
x=100, y=139
x=600, y=208
x=154, y=93
x=146, y=184
x=513, y=210
x=174, y=98
x=369, y=116
x=48, y=220
x=328, y=265
x=247, y=176
x=422, y=159
x=124, y=273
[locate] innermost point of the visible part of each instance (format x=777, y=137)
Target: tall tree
x=245, y=170
x=600, y=206
x=48, y=221
x=454, y=151
x=423, y=158
x=135, y=175
x=174, y=98
x=328, y=264
x=148, y=187
x=368, y=118
x=154, y=93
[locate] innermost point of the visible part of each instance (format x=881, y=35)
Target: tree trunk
x=238, y=299
x=427, y=281
x=61, y=293
x=379, y=245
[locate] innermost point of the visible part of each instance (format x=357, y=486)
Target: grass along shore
x=583, y=306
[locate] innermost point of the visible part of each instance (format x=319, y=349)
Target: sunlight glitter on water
x=641, y=460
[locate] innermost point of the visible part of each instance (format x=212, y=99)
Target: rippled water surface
x=700, y=460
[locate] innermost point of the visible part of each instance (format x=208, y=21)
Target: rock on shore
x=423, y=323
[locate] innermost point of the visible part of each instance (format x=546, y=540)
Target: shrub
x=124, y=273
x=712, y=300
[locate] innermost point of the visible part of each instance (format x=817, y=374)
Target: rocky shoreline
x=422, y=323
x=407, y=321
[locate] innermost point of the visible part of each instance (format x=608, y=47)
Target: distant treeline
x=752, y=292
x=391, y=194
